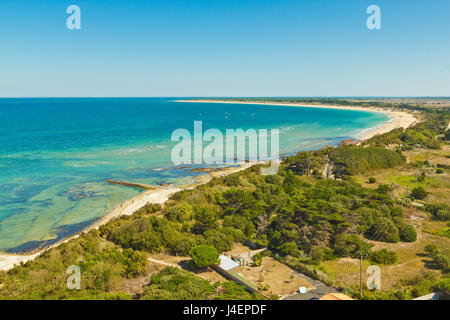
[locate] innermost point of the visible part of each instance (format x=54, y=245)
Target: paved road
x=320, y=289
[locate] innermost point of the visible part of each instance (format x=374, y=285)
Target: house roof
x=335, y=296
x=226, y=263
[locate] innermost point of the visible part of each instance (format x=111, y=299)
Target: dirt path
x=164, y=263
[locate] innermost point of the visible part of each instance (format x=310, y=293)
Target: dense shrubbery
x=419, y=193
x=204, y=256
x=295, y=217
x=346, y=161
x=439, y=211
x=443, y=286
x=232, y=291
x=383, y=256
x=299, y=216
x=352, y=160
x=440, y=259
x=305, y=163
x=309, y=219
x=383, y=229
x=418, y=286
x=257, y=260
x=423, y=135
x=407, y=233
x=152, y=234
x=175, y=284
x=390, y=138
x=103, y=267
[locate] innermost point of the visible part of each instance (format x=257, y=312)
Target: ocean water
x=56, y=153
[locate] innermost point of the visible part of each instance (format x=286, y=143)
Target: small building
x=226, y=263
x=430, y=296
x=246, y=258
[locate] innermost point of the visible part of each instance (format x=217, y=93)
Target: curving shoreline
x=398, y=119
x=127, y=207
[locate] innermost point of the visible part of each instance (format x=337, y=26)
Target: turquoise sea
x=56, y=153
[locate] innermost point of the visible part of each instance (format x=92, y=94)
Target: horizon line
x=225, y=97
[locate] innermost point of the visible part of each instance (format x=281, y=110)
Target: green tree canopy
x=204, y=255
x=419, y=193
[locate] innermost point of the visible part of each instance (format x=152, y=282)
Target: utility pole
x=364, y=250
x=360, y=275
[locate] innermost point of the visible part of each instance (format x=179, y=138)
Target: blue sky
x=224, y=48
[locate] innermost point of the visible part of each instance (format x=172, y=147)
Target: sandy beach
x=398, y=119
x=159, y=195
x=128, y=207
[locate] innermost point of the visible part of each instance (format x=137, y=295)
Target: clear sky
x=224, y=48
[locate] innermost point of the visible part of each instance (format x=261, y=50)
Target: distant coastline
x=398, y=119
x=160, y=195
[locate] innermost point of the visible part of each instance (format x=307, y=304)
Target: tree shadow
x=187, y=265
x=428, y=261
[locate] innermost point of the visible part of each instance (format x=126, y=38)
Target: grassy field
x=412, y=261
x=404, y=178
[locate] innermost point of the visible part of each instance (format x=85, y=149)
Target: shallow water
x=55, y=154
